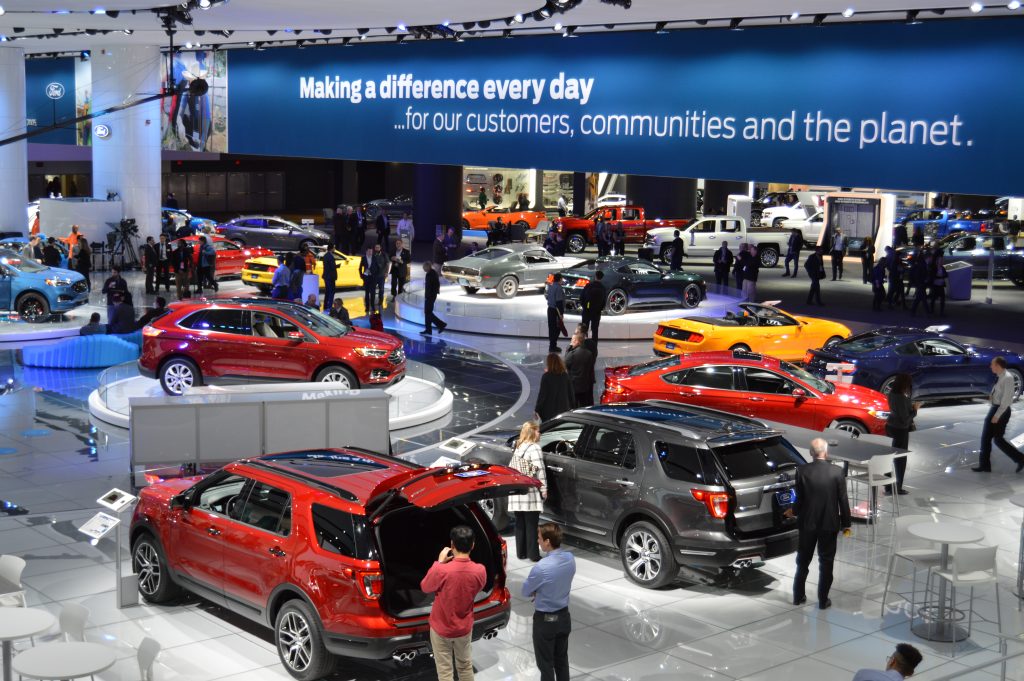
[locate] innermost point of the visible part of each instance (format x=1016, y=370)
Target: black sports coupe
x=633, y=283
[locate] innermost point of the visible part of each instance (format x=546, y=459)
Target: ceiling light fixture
x=794, y=16
x=401, y=27
x=3, y=38
x=1013, y=5
x=701, y=22
x=507, y=33
x=18, y=29
x=188, y=46
x=912, y=19
x=362, y=31
x=113, y=13
x=484, y=24
x=734, y=24
x=940, y=11
x=545, y=12
x=128, y=31
x=660, y=27
x=2, y=10
x=98, y=10
x=557, y=27
x=400, y=39
x=976, y=7
x=519, y=18
x=819, y=19
x=204, y=4
x=570, y=32
x=849, y=12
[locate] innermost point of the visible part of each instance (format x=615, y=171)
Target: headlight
x=58, y=281
x=371, y=352
x=878, y=414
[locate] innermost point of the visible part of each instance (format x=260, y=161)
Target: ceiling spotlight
x=509, y=21
x=660, y=27
x=849, y=12
x=468, y=25
x=794, y=16
x=128, y=31
x=1013, y=5
x=557, y=27
x=271, y=32
x=113, y=13
x=3, y=38
x=519, y=18
x=912, y=19
x=819, y=19
x=445, y=23
x=204, y=4
x=401, y=27
x=734, y=25
x=252, y=43
x=400, y=39
x=570, y=32
x=545, y=12
x=2, y=11
x=976, y=7
x=701, y=22
x=484, y=24
x=459, y=38
x=98, y=10
x=58, y=31
x=188, y=46
x=346, y=41
x=507, y=33
x=300, y=43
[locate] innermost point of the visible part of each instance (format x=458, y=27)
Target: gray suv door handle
x=626, y=483
x=557, y=469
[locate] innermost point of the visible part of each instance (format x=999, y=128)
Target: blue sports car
x=36, y=291
x=941, y=367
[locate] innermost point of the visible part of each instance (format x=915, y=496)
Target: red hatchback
x=327, y=547
x=750, y=385
x=258, y=340
x=230, y=256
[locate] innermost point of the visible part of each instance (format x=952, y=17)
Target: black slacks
x=551, y=644
x=815, y=291
x=553, y=316
x=826, y=542
x=996, y=432
x=591, y=321
x=526, y=535
x=429, y=318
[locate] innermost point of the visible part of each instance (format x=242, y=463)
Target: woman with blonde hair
x=528, y=460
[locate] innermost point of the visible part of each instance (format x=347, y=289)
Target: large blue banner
x=936, y=106
x=50, y=97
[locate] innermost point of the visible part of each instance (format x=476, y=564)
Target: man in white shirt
x=900, y=665
x=997, y=419
x=406, y=230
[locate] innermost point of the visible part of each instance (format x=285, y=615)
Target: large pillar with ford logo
x=14, y=156
x=662, y=197
x=716, y=194
x=437, y=199
x=126, y=144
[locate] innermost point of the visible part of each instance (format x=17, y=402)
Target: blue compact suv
x=35, y=291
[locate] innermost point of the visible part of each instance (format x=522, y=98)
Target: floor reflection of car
x=505, y=268
x=940, y=367
x=976, y=250
x=258, y=340
x=633, y=284
x=665, y=485
x=259, y=272
x=231, y=257
x=326, y=547
x=760, y=328
x=36, y=292
x=751, y=385
x=270, y=232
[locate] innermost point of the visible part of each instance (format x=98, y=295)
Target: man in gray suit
x=822, y=510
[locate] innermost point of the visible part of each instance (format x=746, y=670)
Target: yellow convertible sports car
x=259, y=272
x=760, y=328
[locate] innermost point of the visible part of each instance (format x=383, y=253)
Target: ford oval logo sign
x=55, y=91
x=102, y=131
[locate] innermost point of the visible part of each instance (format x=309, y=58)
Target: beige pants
x=447, y=648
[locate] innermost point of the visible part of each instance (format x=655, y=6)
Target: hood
x=56, y=272
x=857, y=395
x=163, y=491
x=371, y=338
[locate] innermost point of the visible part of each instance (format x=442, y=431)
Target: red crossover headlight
x=717, y=502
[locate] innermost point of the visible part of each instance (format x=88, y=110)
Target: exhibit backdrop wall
x=50, y=97
x=930, y=107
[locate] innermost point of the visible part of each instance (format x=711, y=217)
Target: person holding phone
x=456, y=579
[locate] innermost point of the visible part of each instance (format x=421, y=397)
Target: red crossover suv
x=327, y=547
x=253, y=339
x=750, y=385
x=231, y=257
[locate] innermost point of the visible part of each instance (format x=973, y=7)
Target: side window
x=680, y=462
x=705, y=226
x=907, y=349
x=218, y=496
x=630, y=214
x=611, y=448
x=761, y=381
x=561, y=438
x=966, y=244
x=936, y=347
x=730, y=225
x=676, y=377
x=335, y=531
x=267, y=325
x=538, y=257
x=268, y=508
x=718, y=377
x=225, y=246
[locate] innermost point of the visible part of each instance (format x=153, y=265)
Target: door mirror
x=296, y=335
x=799, y=392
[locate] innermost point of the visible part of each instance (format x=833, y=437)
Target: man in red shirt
x=456, y=580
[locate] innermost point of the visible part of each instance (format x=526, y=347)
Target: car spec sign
x=926, y=107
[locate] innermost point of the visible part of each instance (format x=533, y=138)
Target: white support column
x=13, y=157
x=127, y=160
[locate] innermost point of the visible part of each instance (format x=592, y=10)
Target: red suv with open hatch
x=750, y=384
x=259, y=340
x=327, y=547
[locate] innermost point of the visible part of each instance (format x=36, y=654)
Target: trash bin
x=958, y=285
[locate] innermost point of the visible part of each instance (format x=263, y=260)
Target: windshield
x=866, y=342
x=19, y=263
x=811, y=380
x=491, y=254
x=319, y=323
x=755, y=459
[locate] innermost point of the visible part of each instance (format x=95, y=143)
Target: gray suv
x=270, y=232
x=666, y=485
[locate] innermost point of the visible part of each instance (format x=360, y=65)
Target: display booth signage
x=929, y=107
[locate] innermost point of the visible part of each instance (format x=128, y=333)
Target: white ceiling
x=251, y=19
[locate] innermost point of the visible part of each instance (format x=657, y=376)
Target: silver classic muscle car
x=505, y=268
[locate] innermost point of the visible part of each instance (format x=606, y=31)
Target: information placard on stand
x=119, y=502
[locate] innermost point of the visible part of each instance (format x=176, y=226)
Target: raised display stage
x=420, y=398
x=526, y=314
x=13, y=330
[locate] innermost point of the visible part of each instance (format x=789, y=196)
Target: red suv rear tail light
x=717, y=502
x=372, y=583
x=615, y=388
x=151, y=331
x=504, y=554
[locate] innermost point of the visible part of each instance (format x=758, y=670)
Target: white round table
x=65, y=660
x=1018, y=500
x=17, y=623
x=943, y=533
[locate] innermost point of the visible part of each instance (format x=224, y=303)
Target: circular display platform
x=13, y=330
x=416, y=400
x=526, y=314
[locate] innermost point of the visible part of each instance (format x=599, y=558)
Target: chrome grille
x=397, y=356
x=80, y=287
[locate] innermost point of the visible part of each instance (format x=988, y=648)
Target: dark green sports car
x=634, y=284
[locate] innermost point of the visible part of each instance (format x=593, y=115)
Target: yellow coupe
x=761, y=328
x=259, y=272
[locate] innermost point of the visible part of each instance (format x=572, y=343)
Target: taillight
x=610, y=385
x=504, y=554
x=581, y=283
x=808, y=357
x=151, y=331
x=372, y=583
x=984, y=227
x=717, y=502
x=695, y=338
x=660, y=331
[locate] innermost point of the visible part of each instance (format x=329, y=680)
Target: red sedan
x=230, y=256
x=258, y=341
x=750, y=385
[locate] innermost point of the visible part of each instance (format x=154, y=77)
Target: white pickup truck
x=703, y=237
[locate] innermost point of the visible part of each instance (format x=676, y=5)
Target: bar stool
x=971, y=567
x=880, y=472
x=918, y=552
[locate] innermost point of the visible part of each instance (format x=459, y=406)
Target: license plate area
x=670, y=346
x=785, y=497
x=463, y=282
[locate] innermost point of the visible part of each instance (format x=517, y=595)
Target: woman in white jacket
x=528, y=460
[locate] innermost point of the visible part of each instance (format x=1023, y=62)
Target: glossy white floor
x=745, y=631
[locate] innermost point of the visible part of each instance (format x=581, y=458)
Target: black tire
x=851, y=426
x=886, y=386
x=1018, y=382
x=524, y=224
x=691, y=296
x=647, y=557
x=470, y=289
x=769, y=256
x=465, y=225
x=777, y=223
x=576, y=243
x=1018, y=281
x=264, y=289
x=508, y=286
x=150, y=565
x=178, y=374
x=497, y=510
x=299, y=638
x=740, y=347
x=832, y=341
x=338, y=376
x=666, y=253
x=617, y=302
x=33, y=308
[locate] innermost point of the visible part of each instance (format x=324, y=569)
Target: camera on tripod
x=121, y=242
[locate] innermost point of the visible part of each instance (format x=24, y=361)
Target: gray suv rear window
x=680, y=462
x=755, y=459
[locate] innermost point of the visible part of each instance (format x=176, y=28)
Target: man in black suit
x=149, y=260
x=678, y=250
x=431, y=287
x=383, y=229
x=822, y=510
x=330, y=276
x=401, y=259
x=592, y=300
x=163, y=264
